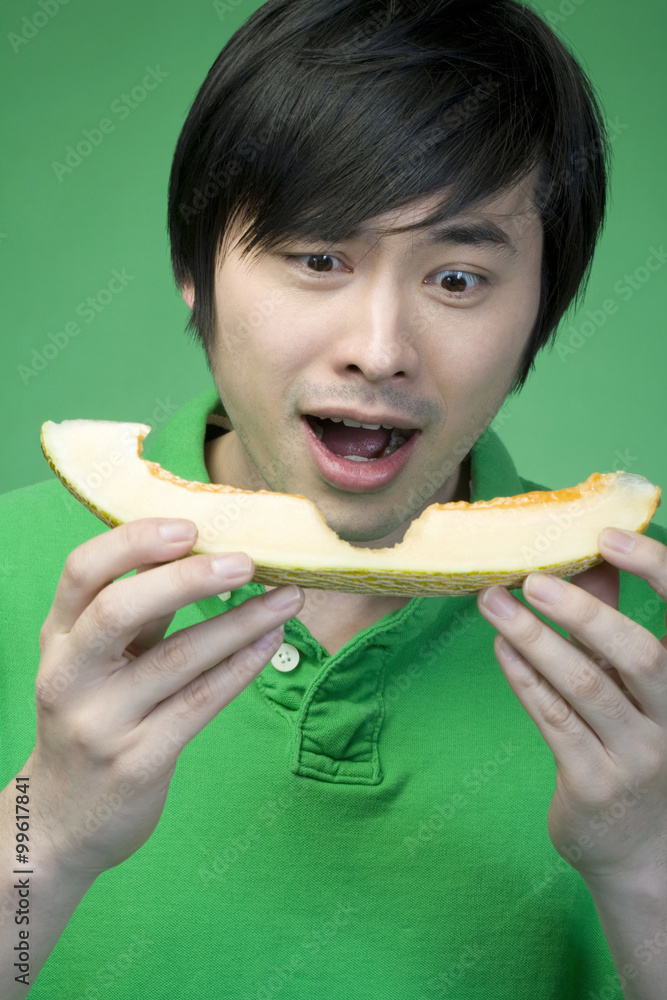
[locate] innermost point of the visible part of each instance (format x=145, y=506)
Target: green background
x=600, y=407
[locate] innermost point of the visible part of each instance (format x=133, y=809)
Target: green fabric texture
x=369, y=825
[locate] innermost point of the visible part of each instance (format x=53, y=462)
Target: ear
x=188, y=293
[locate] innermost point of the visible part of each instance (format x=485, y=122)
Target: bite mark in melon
x=450, y=549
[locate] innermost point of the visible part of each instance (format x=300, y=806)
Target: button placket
x=335, y=703
x=338, y=725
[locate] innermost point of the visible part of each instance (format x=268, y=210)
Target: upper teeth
x=354, y=423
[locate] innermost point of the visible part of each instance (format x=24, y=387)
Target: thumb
x=154, y=631
x=603, y=582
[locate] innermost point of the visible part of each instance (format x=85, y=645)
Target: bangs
x=328, y=169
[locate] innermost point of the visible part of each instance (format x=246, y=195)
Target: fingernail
x=619, y=540
x=177, y=531
x=280, y=600
x=508, y=650
x=543, y=587
x=499, y=602
x=269, y=640
x=231, y=566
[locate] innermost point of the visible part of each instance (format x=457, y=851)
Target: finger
x=185, y=713
x=152, y=633
x=588, y=690
x=569, y=737
x=637, y=554
x=602, y=663
x=603, y=582
x=605, y=665
x=106, y=557
x=636, y=654
x=117, y=615
x=173, y=666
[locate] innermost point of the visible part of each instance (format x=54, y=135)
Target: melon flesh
x=450, y=549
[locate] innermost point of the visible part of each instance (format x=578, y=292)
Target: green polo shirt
x=371, y=824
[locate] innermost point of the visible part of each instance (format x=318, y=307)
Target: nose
x=379, y=330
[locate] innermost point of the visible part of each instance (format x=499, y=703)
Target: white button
x=225, y=597
x=287, y=658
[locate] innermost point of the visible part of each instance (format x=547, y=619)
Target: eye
x=458, y=282
x=315, y=263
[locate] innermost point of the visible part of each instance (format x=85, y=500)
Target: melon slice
x=454, y=548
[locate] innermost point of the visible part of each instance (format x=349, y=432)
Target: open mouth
x=357, y=442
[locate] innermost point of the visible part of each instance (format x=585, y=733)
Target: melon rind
x=450, y=549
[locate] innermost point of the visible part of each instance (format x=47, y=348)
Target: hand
x=599, y=699
x=117, y=702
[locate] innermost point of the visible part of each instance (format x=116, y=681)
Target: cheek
x=233, y=328
x=498, y=337
x=485, y=360
x=242, y=344
x=255, y=329
x=479, y=365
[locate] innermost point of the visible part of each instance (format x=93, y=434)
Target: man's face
x=419, y=333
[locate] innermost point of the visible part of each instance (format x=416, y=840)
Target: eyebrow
x=475, y=233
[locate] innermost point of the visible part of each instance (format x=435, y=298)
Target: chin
x=380, y=536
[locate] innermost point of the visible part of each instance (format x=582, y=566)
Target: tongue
x=342, y=440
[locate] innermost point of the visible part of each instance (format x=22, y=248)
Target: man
x=370, y=814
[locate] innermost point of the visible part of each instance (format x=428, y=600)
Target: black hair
x=320, y=114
